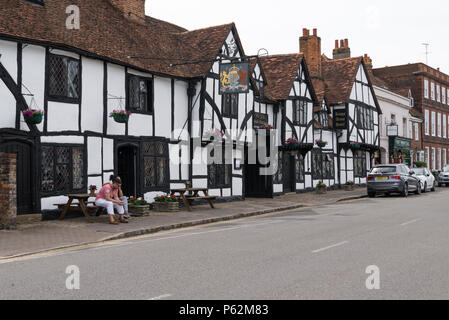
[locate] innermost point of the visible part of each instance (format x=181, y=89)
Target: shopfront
x=399, y=150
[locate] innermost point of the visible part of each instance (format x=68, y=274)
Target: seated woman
x=108, y=198
x=121, y=196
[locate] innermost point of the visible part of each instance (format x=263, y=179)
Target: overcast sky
x=390, y=31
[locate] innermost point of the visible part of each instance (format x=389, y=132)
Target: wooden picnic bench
x=82, y=205
x=193, y=195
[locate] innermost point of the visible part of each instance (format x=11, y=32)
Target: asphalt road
x=314, y=253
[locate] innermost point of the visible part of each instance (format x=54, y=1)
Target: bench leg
x=84, y=209
x=66, y=208
x=187, y=203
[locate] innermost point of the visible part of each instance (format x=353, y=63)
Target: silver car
x=443, y=177
x=392, y=178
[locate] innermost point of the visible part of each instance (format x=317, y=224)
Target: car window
x=405, y=170
x=420, y=171
x=446, y=169
x=384, y=170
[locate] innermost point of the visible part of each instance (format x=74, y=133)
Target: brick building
x=430, y=91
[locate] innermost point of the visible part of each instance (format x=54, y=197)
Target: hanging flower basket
x=267, y=127
x=355, y=145
x=33, y=116
x=321, y=143
x=212, y=135
x=120, y=116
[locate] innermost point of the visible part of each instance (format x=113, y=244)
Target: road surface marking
x=410, y=222
x=161, y=297
x=330, y=247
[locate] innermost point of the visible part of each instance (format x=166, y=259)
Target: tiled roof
x=339, y=76
x=280, y=72
x=106, y=33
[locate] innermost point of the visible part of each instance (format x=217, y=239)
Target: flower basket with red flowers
x=33, y=116
x=166, y=203
x=120, y=116
x=138, y=207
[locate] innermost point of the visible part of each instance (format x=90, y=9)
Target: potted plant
x=292, y=144
x=138, y=206
x=321, y=187
x=355, y=145
x=421, y=164
x=349, y=186
x=321, y=143
x=33, y=116
x=92, y=189
x=120, y=116
x=267, y=126
x=166, y=203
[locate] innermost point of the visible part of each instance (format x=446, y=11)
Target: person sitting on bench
x=121, y=196
x=108, y=198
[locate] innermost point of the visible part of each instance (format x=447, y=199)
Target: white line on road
x=161, y=297
x=410, y=222
x=330, y=247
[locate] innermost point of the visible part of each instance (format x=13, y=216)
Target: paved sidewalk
x=37, y=236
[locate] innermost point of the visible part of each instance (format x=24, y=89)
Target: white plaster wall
x=237, y=184
x=48, y=203
x=33, y=77
x=96, y=181
x=162, y=106
x=185, y=161
x=140, y=125
x=278, y=188
x=202, y=183
x=106, y=176
x=94, y=165
x=174, y=161
x=63, y=139
x=62, y=116
x=116, y=88
x=92, y=98
x=108, y=154
x=8, y=108
x=226, y=192
x=8, y=50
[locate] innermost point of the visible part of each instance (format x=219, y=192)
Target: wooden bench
x=91, y=207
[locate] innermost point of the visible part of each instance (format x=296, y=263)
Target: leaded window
x=230, y=105
x=155, y=162
x=322, y=165
x=64, y=78
x=359, y=164
x=278, y=176
x=220, y=174
x=322, y=118
x=62, y=169
x=299, y=112
x=365, y=118
x=140, y=97
x=299, y=168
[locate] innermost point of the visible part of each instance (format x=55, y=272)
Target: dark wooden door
x=127, y=158
x=256, y=184
x=289, y=173
x=24, y=176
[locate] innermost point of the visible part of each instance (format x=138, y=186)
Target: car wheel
x=371, y=194
x=433, y=187
x=418, y=189
x=405, y=191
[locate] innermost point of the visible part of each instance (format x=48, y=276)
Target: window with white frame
x=421, y=156
x=438, y=93
x=439, y=158
x=444, y=126
x=444, y=158
x=447, y=95
x=416, y=131
x=439, y=124
x=433, y=120
x=434, y=158
x=410, y=130
x=404, y=127
x=426, y=89
x=427, y=156
x=443, y=95
x=432, y=91
x=426, y=121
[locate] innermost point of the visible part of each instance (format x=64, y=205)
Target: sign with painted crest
x=234, y=78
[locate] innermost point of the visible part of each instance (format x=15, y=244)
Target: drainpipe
x=191, y=92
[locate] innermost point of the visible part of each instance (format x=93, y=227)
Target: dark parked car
x=443, y=177
x=392, y=178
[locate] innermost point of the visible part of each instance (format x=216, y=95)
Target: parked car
x=443, y=177
x=428, y=181
x=392, y=178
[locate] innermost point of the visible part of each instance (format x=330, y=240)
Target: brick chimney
x=310, y=46
x=132, y=9
x=342, y=51
x=368, y=62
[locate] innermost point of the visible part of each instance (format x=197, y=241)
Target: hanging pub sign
x=259, y=120
x=340, y=119
x=234, y=78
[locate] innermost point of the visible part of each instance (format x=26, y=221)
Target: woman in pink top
x=108, y=198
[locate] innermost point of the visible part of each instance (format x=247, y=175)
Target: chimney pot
x=342, y=43
x=346, y=43
x=336, y=44
x=315, y=32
